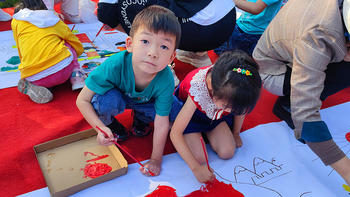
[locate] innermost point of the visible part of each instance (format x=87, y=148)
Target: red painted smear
x=87, y=152
x=163, y=191
x=97, y=158
x=214, y=188
x=96, y=170
x=83, y=38
x=347, y=136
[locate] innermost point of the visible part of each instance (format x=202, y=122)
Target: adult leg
x=222, y=141
x=337, y=78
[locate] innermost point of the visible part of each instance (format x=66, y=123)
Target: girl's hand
x=238, y=140
x=102, y=139
x=202, y=174
x=153, y=165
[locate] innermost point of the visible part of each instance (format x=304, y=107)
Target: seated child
x=47, y=49
x=216, y=99
x=138, y=79
x=251, y=24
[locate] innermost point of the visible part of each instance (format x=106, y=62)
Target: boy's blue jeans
x=114, y=102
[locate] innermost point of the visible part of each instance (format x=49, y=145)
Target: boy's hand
x=102, y=139
x=238, y=140
x=202, y=174
x=153, y=165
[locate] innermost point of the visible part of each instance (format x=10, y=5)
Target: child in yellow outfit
x=47, y=49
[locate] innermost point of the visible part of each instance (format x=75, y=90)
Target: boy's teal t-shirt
x=256, y=24
x=117, y=72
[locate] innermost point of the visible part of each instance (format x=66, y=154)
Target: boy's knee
x=111, y=101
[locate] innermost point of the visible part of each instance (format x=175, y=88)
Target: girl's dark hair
x=30, y=4
x=157, y=19
x=240, y=91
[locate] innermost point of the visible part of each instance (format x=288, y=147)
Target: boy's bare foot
x=238, y=140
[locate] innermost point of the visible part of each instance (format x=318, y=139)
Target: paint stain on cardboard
x=96, y=169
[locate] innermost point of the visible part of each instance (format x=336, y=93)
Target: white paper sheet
x=9, y=74
x=270, y=163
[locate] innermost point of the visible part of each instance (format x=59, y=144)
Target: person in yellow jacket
x=48, y=51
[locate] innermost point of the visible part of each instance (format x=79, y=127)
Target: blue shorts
x=200, y=121
x=114, y=102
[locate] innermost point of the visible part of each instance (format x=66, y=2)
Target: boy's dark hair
x=157, y=19
x=30, y=4
x=240, y=91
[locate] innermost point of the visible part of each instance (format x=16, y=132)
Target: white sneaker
x=197, y=59
x=38, y=94
x=71, y=18
x=77, y=79
x=4, y=16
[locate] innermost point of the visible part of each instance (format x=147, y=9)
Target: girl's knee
x=226, y=153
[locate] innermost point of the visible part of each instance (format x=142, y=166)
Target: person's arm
x=310, y=60
x=70, y=38
x=236, y=130
x=160, y=134
x=176, y=135
x=342, y=166
x=83, y=103
x=251, y=7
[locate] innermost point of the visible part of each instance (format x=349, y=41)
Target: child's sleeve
x=71, y=39
x=15, y=33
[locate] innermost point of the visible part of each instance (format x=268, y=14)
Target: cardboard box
x=62, y=162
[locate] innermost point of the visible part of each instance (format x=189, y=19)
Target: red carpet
x=25, y=124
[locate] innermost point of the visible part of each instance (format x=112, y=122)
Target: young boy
x=138, y=78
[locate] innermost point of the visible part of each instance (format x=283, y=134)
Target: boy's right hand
x=102, y=139
x=202, y=174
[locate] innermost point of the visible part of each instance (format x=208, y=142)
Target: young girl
x=47, y=49
x=215, y=98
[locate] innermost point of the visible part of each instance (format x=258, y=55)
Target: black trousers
x=337, y=78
